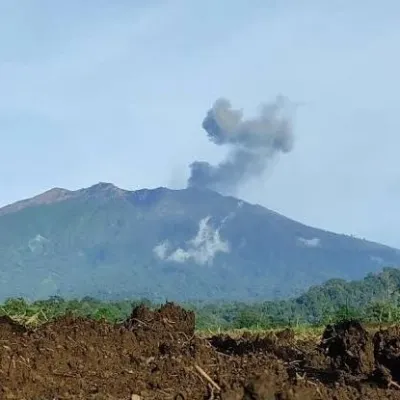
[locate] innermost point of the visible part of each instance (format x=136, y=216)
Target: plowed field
x=157, y=355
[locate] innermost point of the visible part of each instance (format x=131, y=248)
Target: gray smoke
x=252, y=143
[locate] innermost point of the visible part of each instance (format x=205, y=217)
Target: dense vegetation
x=374, y=299
x=101, y=242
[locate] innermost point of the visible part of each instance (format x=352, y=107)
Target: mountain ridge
x=57, y=194
x=169, y=243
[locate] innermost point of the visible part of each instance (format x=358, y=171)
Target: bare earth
x=156, y=355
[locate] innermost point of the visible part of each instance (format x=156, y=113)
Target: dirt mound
x=166, y=331
x=156, y=355
x=349, y=347
x=8, y=327
x=268, y=345
x=387, y=350
x=170, y=318
x=243, y=345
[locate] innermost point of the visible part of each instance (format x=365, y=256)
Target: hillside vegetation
x=374, y=299
x=182, y=245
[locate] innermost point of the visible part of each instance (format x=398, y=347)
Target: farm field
x=157, y=354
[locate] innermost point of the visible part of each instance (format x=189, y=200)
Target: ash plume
x=252, y=143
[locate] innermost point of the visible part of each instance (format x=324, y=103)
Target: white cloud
x=314, y=242
x=161, y=250
x=38, y=243
x=202, y=249
x=378, y=260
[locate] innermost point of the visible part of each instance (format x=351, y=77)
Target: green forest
x=375, y=299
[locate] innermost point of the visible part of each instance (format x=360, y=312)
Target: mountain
x=106, y=242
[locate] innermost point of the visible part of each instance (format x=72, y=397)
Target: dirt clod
x=168, y=319
x=350, y=347
x=387, y=350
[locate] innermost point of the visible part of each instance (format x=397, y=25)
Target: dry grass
x=301, y=333
x=31, y=321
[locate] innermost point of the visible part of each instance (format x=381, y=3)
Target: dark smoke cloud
x=252, y=142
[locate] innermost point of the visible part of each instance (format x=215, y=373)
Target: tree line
x=375, y=299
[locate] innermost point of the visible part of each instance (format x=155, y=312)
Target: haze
x=117, y=92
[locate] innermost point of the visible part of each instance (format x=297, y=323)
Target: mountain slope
x=179, y=244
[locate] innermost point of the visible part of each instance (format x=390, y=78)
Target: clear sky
x=116, y=91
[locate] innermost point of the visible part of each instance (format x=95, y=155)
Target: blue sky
x=116, y=91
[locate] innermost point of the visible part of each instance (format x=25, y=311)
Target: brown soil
x=387, y=350
x=350, y=347
x=156, y=355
